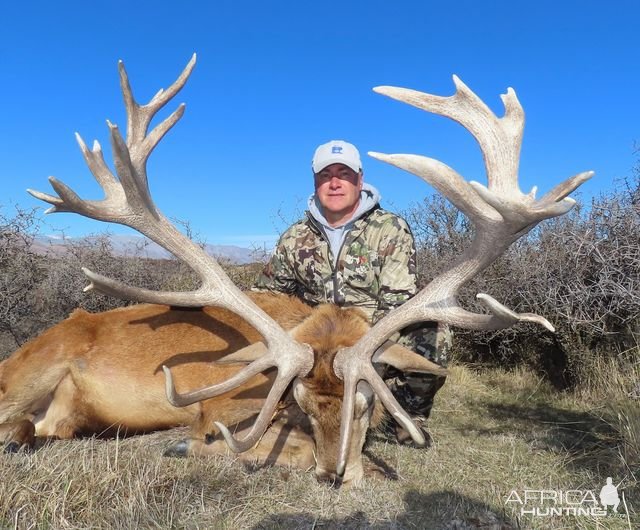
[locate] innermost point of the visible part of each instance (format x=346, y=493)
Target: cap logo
x=336, y=149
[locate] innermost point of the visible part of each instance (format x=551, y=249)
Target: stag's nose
x=328, y=478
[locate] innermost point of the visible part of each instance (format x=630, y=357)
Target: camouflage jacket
x=375, y=269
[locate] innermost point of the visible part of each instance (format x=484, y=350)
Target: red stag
x=98, y=372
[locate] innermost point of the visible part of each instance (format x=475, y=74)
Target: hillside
x=133, y=245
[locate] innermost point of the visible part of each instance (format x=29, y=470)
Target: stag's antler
x=128, y=201
x=501, y=214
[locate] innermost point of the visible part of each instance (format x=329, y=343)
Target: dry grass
x=613, y=394
x=494, y=432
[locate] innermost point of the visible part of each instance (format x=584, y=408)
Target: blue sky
x=275, y=79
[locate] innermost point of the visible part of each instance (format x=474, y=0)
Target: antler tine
x=500, y=139
x=444, y=179
x=500, y=212
x=194, y=396
x=139, y=116
x=352, y=375
x=263, y=420
x=128, y=201
x=287, y=371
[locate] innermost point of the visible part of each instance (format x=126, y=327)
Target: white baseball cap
x=336, y=152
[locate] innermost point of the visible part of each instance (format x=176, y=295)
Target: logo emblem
x=552, y=503
x=609, y=495
x=336, y=150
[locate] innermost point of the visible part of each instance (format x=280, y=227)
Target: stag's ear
x=245, y=355
x=406, y=360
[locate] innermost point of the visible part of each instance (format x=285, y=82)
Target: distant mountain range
x=125, y=245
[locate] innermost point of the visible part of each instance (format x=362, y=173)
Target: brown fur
x=97, y=373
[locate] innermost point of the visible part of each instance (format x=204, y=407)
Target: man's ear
x=360, y=180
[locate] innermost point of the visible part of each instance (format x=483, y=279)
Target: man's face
x=338, y=190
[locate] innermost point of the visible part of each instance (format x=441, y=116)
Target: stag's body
x=102, y=374
x=327, y=361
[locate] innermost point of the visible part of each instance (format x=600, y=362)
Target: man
x=350, y=252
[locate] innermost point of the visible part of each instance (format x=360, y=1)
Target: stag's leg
x=26, y=392
x=17, y=434
x=27, y=389
x=63, y=418
x=31, y=411
x=281, y=445
x=285, y=443
x=14, y=434
x=33, y=373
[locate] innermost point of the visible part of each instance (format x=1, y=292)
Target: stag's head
x=320, y=393
x=332, y=373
